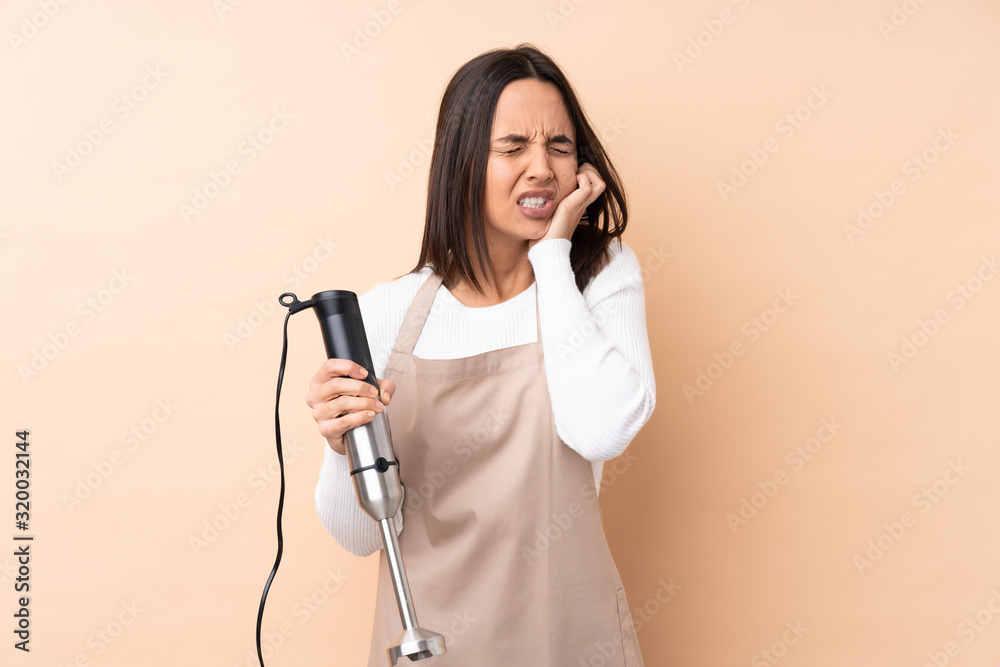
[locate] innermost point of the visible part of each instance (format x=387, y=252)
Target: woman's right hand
x=341, y=400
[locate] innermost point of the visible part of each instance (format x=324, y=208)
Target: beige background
x=836, y=560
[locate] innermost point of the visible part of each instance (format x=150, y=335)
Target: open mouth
x=536, y=207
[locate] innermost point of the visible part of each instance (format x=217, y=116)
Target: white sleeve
x=597, y=357
x=382, y=309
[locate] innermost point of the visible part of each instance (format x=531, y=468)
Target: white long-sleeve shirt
x=596, y=349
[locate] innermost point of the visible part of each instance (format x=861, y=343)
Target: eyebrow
x=521, y=139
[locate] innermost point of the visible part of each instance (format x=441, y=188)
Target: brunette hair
x=457, y=183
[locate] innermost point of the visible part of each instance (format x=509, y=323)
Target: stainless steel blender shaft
x=415, y=642
x=380, y=494
x=398, y=573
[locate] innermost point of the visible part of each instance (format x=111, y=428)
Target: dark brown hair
x=457, y=184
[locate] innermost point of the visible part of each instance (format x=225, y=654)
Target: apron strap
x=417, y=315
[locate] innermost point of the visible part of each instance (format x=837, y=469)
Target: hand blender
x=373, y=465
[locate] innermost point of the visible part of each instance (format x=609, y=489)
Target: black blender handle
x=339, y=315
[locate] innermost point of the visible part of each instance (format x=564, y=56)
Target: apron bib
x=503, y=542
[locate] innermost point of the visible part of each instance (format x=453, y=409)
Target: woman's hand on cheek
x=570, y=210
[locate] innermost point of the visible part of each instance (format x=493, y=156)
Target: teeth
x=533, y=202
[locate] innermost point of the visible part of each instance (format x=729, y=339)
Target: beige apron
x=502, y=541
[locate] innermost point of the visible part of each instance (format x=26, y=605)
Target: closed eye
x=519, y=141
x=512, y=151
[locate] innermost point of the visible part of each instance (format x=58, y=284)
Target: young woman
x=516, y=360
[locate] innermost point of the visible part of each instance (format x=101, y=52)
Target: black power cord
x=294, y=306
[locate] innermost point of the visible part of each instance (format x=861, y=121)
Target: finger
x=338, y=386
x=587, y=168
x=594, y=185
x=584, y=192
x=592, y=174
x=339, y=368
x=597, y=188
x=388, y=388
x=591, y=171
x=348, y=387
x=344, y=405
x=334, y=428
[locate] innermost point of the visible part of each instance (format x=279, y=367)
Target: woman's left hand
x=570, y=210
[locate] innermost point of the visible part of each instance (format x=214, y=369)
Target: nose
x=538, y=167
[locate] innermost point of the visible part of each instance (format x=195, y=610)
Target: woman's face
x=532, y=163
